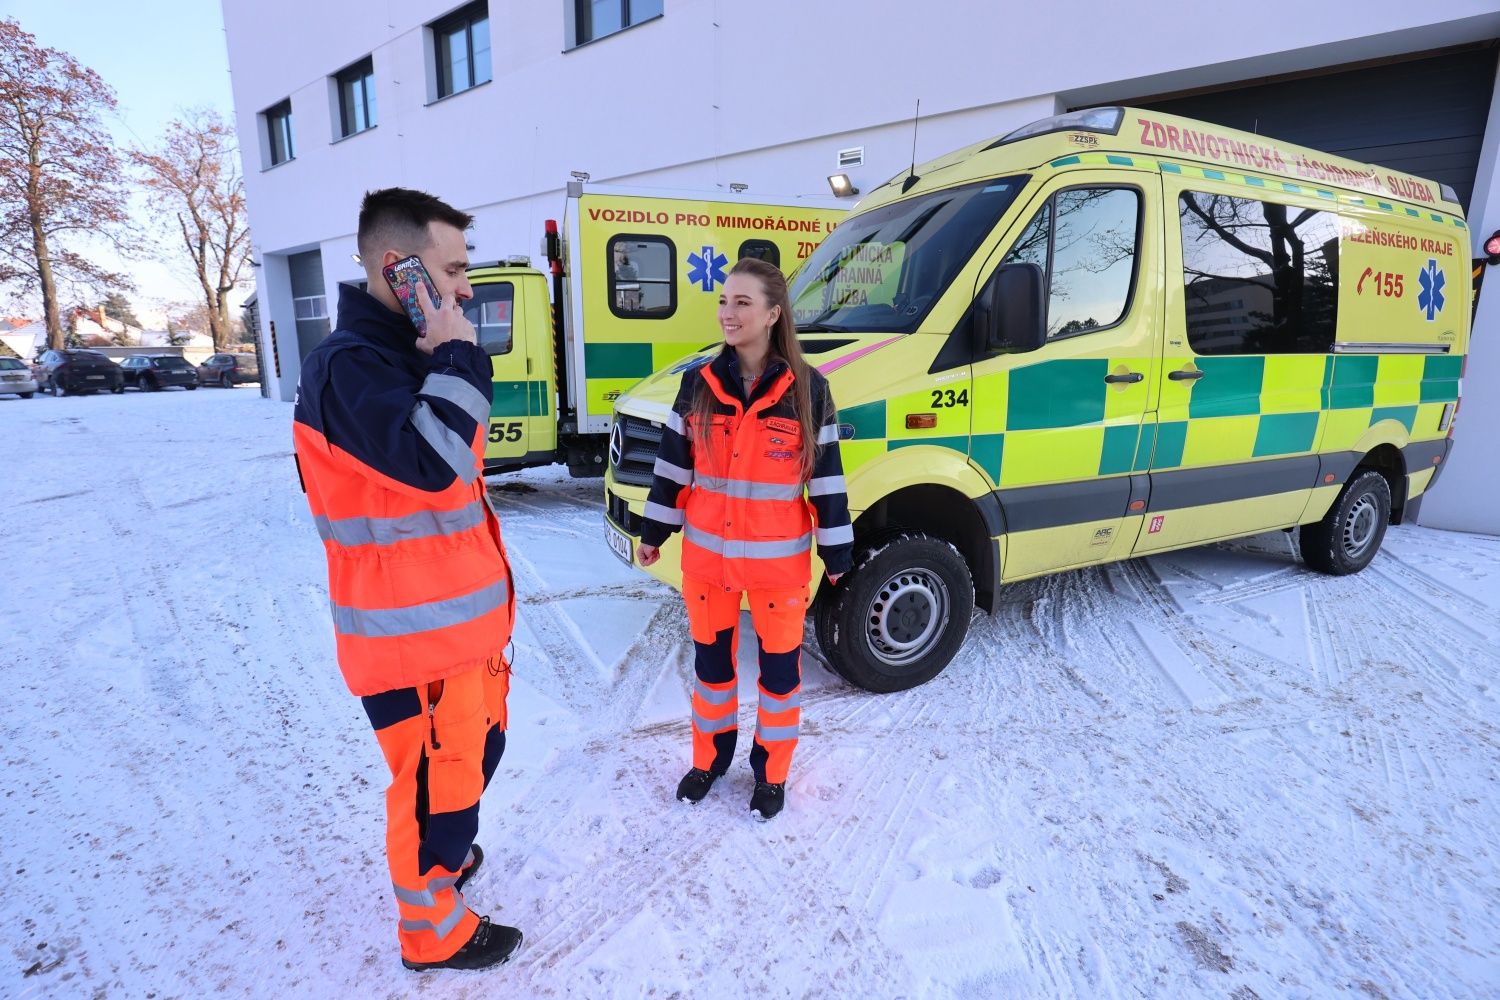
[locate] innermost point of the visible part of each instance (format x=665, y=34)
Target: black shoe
x=492, y=944
x=695, y=784
x=767, y=799
x=464, y=875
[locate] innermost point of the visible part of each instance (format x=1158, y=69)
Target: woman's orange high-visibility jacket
x=390, y=446
x=735, y=488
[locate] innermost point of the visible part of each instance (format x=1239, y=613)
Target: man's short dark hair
x=397, y=218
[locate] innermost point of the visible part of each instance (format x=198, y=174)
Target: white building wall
x=762, y=93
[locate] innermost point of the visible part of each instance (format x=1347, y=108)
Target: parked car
x=228, y=370
x=76, y=370
x=17, y=378
x=149, y=373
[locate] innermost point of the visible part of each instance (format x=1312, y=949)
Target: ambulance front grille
x=639, y=442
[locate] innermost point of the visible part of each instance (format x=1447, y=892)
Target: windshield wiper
x=820, y=328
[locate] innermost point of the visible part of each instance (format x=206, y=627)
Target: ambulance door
x=493, y=313
x=1252, y=274
x=1069, y=461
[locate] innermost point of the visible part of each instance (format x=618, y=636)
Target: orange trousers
x=442, y=742
x=714, y=620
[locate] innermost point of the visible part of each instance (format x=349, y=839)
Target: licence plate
x=619, y=542
x=96, y=376
x=13, y=378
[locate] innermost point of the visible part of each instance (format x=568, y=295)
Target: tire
x=149, y=385
x=224, y=382
x=58, y=392
x=27, y=395
x=192, y=387
x=899, y=615
x=118, y=389
x=1350, y=533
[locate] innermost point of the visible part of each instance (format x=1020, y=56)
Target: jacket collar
x=726, y=371
x=363, y=314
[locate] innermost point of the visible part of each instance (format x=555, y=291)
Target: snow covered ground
x=1210, y=773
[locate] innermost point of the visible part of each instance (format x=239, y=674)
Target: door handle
x=1127, y=377
x=1184, y=375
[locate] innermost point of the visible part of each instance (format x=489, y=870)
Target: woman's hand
x=647, y=554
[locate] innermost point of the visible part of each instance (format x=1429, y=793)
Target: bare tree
x=194, y=182
x=60, y=177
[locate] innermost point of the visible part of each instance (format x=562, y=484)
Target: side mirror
x=1012, y=310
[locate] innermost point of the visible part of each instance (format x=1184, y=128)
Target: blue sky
x=161, y=57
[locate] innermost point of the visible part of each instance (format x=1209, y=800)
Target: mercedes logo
x=616, y=444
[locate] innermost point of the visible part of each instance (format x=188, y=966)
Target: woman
x=749, y=462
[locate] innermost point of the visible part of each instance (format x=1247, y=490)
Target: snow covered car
x=17, y=378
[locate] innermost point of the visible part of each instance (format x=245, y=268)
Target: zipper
x=432, y=724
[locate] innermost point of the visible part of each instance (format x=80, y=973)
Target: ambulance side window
x=761, y=250
x=1085, y=240
x=642, y=277
x=492, y=311
x=1260, y=277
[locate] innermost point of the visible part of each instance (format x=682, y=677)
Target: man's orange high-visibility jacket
x=735, y=488
x=390, y=446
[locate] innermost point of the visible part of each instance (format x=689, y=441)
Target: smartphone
x=408, y=279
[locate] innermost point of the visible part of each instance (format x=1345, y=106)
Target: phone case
x=406, y=277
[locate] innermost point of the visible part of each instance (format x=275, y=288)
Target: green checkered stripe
x=1254, y=181
x=521, y=399
x=1062, y=407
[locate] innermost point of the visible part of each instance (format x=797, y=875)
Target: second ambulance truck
x=1107, y=334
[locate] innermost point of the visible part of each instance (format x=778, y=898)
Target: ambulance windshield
x=882, y=270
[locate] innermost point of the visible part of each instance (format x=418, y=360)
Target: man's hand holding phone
x=444, y=321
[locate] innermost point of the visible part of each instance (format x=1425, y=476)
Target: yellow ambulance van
x=1106, y=334
x=630, y=288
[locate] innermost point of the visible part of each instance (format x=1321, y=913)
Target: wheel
x=899, y=615
x=225, y=382
x=149, y=385
x=192, y=387
x=118, y=389
x=57, y=389
x=1350, y=533
x=27, y=395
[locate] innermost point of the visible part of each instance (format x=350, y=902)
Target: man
x=390, y=433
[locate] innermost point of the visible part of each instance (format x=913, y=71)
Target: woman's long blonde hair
x=784, y=345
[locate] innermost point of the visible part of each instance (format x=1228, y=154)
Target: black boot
x=467, y=872
x=767, y=799
x=695, y=784
x=492, y=944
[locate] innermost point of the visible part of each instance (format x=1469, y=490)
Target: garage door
x=1423, y=116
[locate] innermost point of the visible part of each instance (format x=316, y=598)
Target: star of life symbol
x=1430, y=299
x=708, y=268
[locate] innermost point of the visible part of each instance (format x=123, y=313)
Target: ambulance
x=1107, y=334
x=629, y=290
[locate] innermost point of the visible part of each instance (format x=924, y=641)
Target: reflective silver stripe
x=675, y=421
x=745, y=489
x=770, y=734
x=389, y=530
x=828, y=434
x=771, y=703
x=427, y=897
x=842, y=535
x=459, y=392
x=722, y=724
x=748, y=550
x=443, y=927
x=385, y=623
x=663, y=514
x=676, y=473
x=468, y=860
x=445, y=441
x=713, y=697
x=825, y=486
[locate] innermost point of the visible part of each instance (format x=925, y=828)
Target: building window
x=1085, y=241
x=1261, y=278
x=280, y=146
x=596, y=18
x=642, y=277
x=761, y=250
x=310, y=307
x=356, y=87
x=461, y=47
